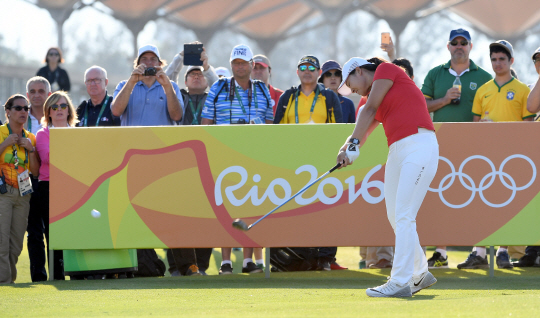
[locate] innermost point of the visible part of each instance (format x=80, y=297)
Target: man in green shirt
x=440, y=93
x=438, y=84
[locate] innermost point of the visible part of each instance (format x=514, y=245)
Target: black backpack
x=292, y=259
x=149, y=264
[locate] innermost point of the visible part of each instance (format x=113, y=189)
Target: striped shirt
x=227, y=112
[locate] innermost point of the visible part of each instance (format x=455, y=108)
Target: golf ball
x=95, y=213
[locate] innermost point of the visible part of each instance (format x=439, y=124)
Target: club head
x=240, y=225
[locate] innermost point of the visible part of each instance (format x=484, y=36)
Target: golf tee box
x=182, y=186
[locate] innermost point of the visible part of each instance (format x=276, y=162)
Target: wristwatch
x=354, y=141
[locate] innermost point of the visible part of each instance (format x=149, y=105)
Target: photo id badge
x=25, y=184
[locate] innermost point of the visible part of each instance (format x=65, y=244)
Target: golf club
x=239, y=224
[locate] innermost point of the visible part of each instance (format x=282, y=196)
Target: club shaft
x=298, y=193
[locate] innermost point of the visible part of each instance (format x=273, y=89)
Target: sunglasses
x=54, y=54
x=463, y=43
x=303, y=68
x=55, y=107
x=19, y=108
x=330, y=74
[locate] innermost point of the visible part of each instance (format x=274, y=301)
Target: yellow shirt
x=304, y=106
x=505, y=103
x=7, y=159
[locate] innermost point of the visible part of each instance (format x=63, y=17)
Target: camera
x=241, y=121
x=151, y=71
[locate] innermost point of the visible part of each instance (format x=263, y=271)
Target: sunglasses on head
x=330, y=74
x=311, y=68
x=19, y=108
x=55, y=107
x=462, y=42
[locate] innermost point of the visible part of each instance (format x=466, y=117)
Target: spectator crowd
x=150, y=96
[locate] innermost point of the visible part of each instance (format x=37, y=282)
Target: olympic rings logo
x=485, y=183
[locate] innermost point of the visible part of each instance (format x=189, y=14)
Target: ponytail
x=376, y=61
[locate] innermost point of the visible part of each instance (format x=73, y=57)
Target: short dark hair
x=404, y=63
x=499, y=49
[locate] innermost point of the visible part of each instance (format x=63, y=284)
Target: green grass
x=471, y=293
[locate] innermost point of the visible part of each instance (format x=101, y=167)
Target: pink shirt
x=42, y=147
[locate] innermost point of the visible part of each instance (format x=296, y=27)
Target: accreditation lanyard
x=15, y=157
x=194, y=111
x=104, y=105
x=29, y=123
x=312, y=105
x=250, y=96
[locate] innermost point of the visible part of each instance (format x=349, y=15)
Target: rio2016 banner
x=182, y=186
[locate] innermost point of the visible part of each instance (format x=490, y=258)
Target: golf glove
x=352, y=152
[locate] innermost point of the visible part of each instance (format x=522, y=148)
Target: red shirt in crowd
x=275, y=93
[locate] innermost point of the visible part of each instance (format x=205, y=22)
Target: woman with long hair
x=17, y=159
x=57, y=76
x=58, y=111
x=396, y=102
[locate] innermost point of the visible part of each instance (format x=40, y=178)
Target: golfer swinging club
x=396, y=102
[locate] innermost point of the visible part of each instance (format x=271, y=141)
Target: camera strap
x=104, y=105
x=251, y=91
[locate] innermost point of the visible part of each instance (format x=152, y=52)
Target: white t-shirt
x=33, y=124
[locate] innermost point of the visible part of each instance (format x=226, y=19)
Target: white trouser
x=411, y=166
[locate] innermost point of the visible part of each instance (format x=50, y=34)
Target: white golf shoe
x=426, y=280
x=390, y=289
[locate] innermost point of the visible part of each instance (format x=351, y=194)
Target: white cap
x=149, y=48
x=505, y=45
x=222, y=71
x=241, y=51
x=350, y=66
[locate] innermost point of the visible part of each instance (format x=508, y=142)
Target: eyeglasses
x=55, y=107
x=93, y=81
x=54, y=54
x=330, y=74
x=303, y=68
x=195, y=74
x=535, y=60
x=462, y=42
x=19, y=108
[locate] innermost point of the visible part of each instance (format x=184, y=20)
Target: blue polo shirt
x=229, y=111
x=147, y=106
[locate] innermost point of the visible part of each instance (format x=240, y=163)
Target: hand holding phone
x=385, y=38
x=192, y=54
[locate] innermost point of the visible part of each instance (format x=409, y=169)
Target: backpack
x=289, y=259
x=149, y=264
x=224, y=84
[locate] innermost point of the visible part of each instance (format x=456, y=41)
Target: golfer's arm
x=366, y=119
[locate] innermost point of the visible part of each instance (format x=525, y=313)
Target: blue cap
x=327, y=66
x=459, y=32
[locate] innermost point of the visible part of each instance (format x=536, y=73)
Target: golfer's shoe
x=425, y=281
x=226, y=269
x=437, y=261
x=503, y=260
x=251, y=268
x=390, y=289
x=474, y=262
